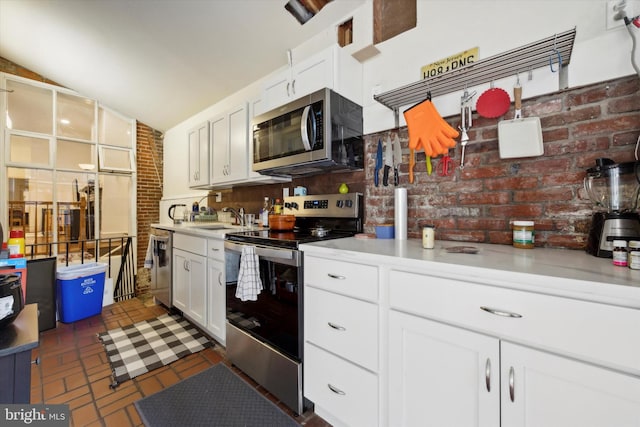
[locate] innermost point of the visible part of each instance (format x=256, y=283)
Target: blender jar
x=613, y=186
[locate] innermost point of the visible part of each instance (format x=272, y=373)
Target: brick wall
x=149, y=163
x=477, y=204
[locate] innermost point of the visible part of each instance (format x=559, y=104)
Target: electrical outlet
x=218, y=197
x=615, y=12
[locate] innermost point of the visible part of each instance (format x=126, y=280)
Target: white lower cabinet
x=440, y=375
x=543, y=389
x=344, y=394
x=216, y=291
x=341, y=347
x=462, y=353
x=190, y=277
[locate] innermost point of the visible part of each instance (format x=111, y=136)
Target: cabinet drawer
x=595, y=332
x=196, y=245
x=345, y=326
x=353, y=397
x=215, y=249
x=346, y=278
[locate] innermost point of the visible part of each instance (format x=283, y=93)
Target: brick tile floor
x=74, y=370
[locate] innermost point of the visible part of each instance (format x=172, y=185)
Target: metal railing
x=113, y=248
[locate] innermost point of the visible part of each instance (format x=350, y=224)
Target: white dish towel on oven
x=249, y=283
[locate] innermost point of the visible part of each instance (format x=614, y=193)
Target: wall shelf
x=521, y=60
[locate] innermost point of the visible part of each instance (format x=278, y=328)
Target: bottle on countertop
x=277, y=207
x=620, y=256
x=264, y=213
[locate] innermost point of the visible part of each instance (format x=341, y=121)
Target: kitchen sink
x=211, y=226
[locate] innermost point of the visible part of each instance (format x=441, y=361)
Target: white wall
x=446, y=27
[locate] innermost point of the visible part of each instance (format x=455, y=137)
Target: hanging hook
x=530, y=77
x=555, y=52
x=517, y=78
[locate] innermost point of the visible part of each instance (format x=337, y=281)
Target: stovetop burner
x=283, y=239
x=341, y=214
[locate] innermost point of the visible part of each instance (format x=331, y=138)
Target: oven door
x=275, y=317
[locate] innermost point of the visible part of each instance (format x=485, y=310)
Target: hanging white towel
x=249, y=283
x=148, y=258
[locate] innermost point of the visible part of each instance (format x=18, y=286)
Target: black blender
x=613, y=187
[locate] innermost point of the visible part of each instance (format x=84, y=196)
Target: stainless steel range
x=265, y=336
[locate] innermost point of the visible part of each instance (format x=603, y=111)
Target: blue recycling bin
x=80, y=289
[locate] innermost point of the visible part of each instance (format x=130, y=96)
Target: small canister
x=15, y=244
x=428, y=236
x=523, y=234
x=634, y=255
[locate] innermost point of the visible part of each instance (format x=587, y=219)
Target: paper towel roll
x=400, y=205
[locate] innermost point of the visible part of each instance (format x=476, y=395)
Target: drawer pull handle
x=512, y=381
x=336, y=390
x=336, y=276
x=487, y=374
x=215, y=249
x=336, y=327
x=502, y=313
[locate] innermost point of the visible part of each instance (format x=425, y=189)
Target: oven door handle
x=265, y=252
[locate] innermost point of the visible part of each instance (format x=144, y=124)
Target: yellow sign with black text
x=454, y=62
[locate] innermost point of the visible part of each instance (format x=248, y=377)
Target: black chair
x=41, y=289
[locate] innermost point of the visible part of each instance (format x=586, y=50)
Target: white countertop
x=204, y=229
x=562, y=272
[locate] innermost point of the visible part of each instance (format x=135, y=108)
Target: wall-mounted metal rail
x=554, y=52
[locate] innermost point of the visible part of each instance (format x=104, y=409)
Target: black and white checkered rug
x=144, y=346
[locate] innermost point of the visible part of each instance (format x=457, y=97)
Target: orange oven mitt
x=427, y=129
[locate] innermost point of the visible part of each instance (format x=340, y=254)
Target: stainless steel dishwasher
x=161, y=272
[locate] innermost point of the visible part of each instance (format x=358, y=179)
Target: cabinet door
x=217, y=299
x=180, y=279
x=219, y=149
x=550, y=390
x=197, y=309
x=238, y=167
x=312, y=74
x=199, y=155
x=277, y=90
x=440, y=375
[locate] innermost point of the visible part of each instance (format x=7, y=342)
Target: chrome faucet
x=239, y=214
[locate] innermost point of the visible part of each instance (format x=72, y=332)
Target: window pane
x=76, y=205
x=114, y=130
x=116, y=196
x=29, y=108
x=75, y=117
x=30, y=198
x=75, y=155
x=115, y=159
x=28, y=149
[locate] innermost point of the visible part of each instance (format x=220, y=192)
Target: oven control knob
x=349, y=203
x=340, y=203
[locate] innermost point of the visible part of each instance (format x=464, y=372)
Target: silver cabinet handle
x=336, y=327
x=293, y=87
x=215, y=249
x=288, y=93
x=336, y=390
x=511, y=384
x=487, y=374
x=220, y=278
x=336, y=276
x=502, y=313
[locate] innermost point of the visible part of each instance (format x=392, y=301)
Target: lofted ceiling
x=158, y=61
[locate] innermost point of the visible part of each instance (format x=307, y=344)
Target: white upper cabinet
x=331, y=68
x=230, y=146
x=199, y=155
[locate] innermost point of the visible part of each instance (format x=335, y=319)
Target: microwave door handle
x=304, y=133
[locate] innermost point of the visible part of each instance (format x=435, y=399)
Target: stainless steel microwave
x=317, y=133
